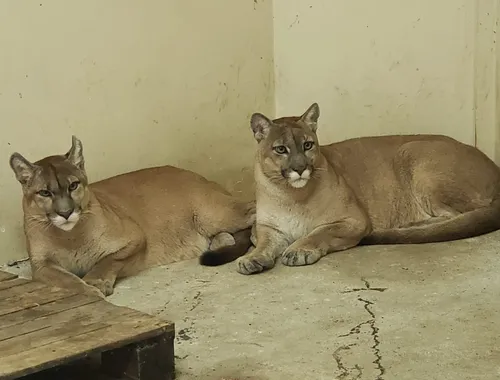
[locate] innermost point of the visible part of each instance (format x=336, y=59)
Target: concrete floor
x=371, y=313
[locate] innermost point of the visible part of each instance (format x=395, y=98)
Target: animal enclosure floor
x=43, y=327
x=372, y=313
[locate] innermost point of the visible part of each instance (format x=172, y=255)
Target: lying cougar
x=85, y=236
x=314, y=200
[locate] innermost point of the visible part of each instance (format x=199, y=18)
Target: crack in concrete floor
x=344, y=371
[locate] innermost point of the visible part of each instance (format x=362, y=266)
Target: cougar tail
x=228, y=253
x=469, y=224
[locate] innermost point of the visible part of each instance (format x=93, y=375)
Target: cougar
x=401, y=189
x=86, y=236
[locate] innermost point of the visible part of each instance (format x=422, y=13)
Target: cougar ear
x=75, y=154
x=311, y=116
x=260, y=126
x=23, y=169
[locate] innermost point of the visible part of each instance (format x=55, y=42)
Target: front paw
x=92, y=291
x=103, y=285
x=300, y=256
x=254, y=263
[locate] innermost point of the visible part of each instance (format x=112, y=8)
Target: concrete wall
x=141, y=83
x=390, y=66
x=486, y=78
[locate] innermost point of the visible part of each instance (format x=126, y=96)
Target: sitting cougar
x=314, y=200
x=85, y=236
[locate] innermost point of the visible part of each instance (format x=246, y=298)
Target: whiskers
x=317, y=172
x=87, y=213
x=276, y=178
x=37, y=222
x=320, y=169
x=92, y=209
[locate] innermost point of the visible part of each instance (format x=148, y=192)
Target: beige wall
x=140, y=82
x=486, y=79
x=390, y=66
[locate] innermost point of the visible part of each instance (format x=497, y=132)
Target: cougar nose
x=300, y=170
x=65, y=214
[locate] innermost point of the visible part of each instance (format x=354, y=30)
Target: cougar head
x=54, y=188
x=288, y=147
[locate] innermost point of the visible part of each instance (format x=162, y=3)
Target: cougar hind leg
x=225, y=214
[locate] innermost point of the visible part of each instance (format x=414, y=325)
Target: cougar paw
x=220, y=240
x=298, y=257
x=103, y=285
x=93, y=291
x=251, y=263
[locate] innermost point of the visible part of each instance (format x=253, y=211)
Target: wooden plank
x=47, y=309
x=13, y=282
x=121, y=331
x=5, y=276
x=13, y=304
x=25, y=334
x=46, y=335
x=21, y=289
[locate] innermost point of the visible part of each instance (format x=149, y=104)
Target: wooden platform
x=43, y=327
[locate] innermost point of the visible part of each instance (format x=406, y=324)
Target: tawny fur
x=124, y=224
x=388, y=189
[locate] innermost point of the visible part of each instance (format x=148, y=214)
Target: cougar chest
x=83, y=253
x=291, y=220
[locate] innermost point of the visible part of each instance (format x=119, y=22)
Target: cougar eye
x=308, y=145
x=44, y=193
x=280, y=149
x=73, y=186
